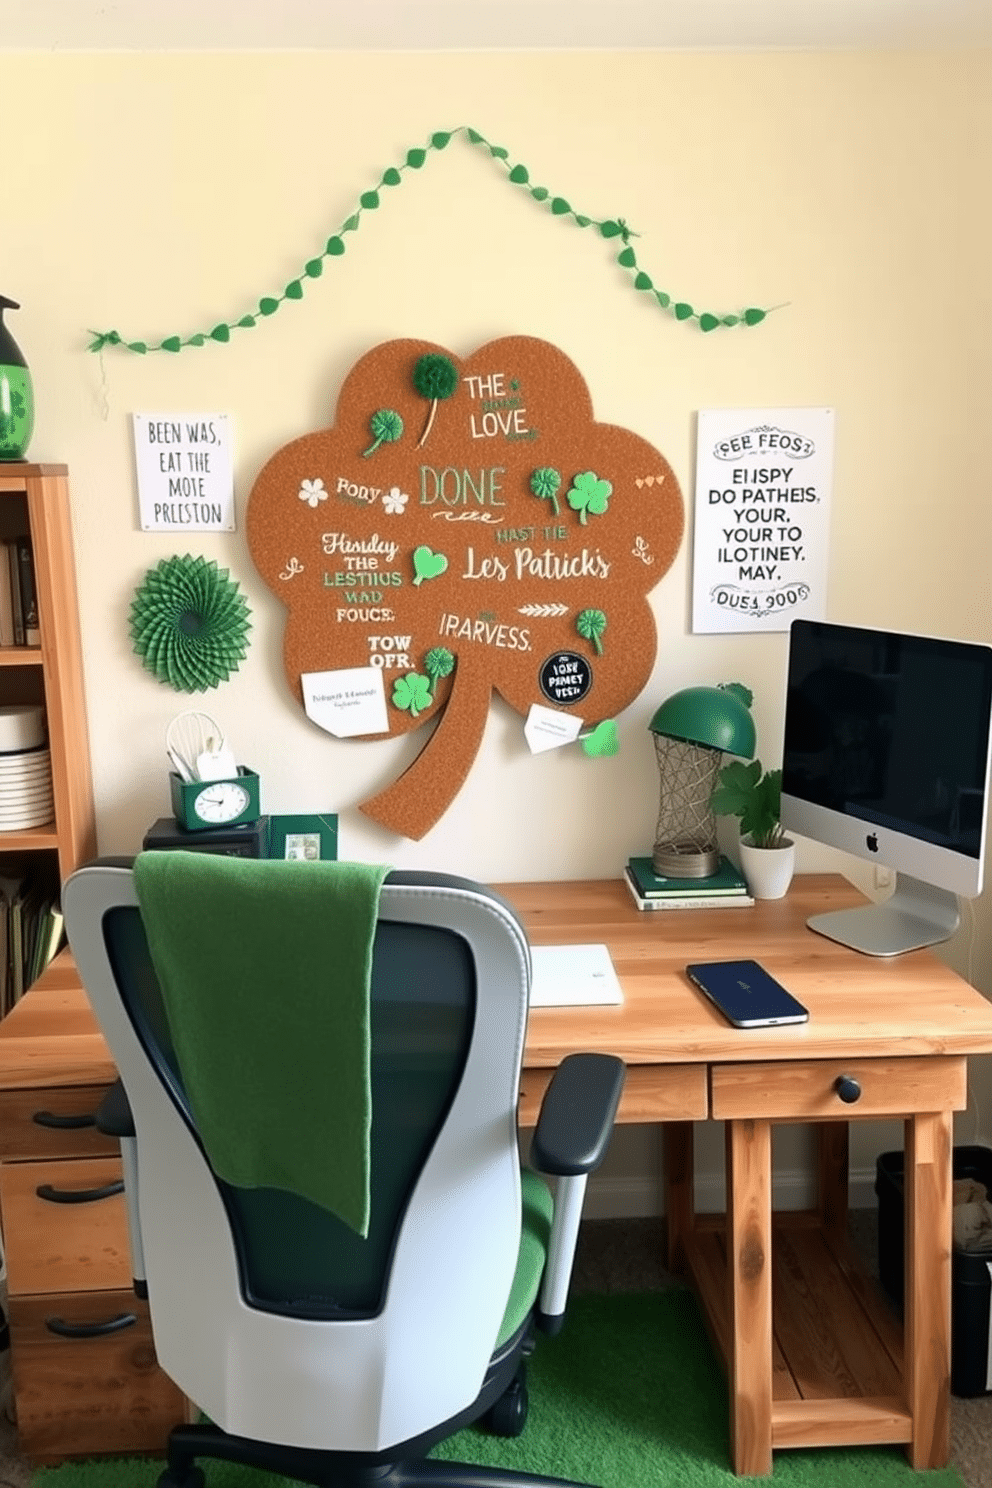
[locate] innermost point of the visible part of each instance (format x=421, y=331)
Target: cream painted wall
x=161, y=194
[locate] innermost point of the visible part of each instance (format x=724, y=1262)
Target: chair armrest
x=570, y=1140
x=113, y=1116
x=577, y=1115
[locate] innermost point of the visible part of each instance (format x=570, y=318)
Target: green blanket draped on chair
x=264, y=967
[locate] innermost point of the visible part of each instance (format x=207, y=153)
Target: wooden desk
x=814, y=1356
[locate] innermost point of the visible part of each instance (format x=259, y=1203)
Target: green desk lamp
x=693, y=729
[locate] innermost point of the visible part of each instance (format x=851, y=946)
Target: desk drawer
x=52, y=1123
x=651, y=1092
x=83, y=1393
x=809, y=1089
x=59, y=1246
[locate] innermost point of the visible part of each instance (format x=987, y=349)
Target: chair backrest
x=274, y=1317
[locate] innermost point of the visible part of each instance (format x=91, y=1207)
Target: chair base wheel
x=507, y=1416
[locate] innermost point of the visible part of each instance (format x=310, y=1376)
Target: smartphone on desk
x=746, y=994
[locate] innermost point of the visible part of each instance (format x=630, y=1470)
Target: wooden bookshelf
x=85, y=1374
x=34, y=500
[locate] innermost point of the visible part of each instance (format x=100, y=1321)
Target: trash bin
x=971, y=1270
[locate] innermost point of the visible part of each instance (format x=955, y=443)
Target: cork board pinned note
x=464, y=526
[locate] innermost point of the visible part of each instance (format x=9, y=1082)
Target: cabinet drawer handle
x=848, y=1088
x=90, y=1330
x=78, y=1195
x=64, y=1123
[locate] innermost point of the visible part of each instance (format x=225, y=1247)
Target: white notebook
x=573, y=976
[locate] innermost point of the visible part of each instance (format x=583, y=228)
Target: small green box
x=199, y=805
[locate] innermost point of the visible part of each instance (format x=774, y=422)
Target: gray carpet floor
x=619, y=1255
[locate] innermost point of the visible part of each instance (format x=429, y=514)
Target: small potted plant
x=768, y=857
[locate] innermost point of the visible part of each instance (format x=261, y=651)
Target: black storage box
x=250, y=840
x=971, y=1270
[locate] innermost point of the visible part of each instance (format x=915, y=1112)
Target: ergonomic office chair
x=314, y=1352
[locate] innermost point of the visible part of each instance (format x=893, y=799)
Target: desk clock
x=199, y=805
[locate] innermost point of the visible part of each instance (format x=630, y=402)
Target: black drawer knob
x=848, y=1088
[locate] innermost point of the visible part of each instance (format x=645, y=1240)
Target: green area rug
x=630, y=1395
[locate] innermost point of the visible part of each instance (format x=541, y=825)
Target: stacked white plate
x=25, y=789
x=22, y=727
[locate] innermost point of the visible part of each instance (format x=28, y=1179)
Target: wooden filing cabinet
x=86, y=1380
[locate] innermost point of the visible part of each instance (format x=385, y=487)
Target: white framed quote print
x=764, y=481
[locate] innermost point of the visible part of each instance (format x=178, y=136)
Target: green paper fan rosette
x=189, y=623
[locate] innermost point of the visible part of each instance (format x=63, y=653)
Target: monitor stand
x=915, y=915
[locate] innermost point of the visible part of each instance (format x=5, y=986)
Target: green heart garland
x=369, y=201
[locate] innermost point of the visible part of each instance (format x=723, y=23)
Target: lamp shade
x=712, y=716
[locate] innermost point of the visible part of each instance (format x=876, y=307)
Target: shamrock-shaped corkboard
x=467, y=526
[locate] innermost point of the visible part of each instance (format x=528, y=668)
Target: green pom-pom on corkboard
x=435, y=377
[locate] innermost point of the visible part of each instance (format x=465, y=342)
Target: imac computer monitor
x=886, y=756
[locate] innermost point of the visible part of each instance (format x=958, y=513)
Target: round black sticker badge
x=565, y=678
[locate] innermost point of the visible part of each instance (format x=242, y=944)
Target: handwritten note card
x=346, y=703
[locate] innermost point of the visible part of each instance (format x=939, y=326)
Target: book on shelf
x=10, y=558
x=43, y=926
x=6, y=990
x=726, y=880
x=18, y=594
x=28, y=591
x=15, y=941
x=684, y=901
x=6, y=603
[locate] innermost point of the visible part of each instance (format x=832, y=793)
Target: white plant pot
x=768, y=870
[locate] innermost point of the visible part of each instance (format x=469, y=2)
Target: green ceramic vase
x=16, y=393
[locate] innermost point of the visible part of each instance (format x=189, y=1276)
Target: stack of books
x=724, y=889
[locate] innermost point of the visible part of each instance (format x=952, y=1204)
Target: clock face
x=221, y=802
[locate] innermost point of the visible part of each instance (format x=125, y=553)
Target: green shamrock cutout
x=603, y=740
x=590, y=494
x=412, y=693
x=427, y=564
